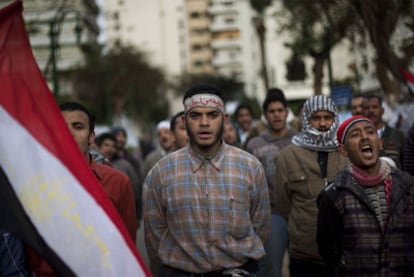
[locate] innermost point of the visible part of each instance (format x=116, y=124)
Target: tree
x=315, y=28
x=381, y=19
x=122, y=82
x=231, y=87
x=259, y=6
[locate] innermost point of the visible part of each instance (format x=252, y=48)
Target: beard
x=217, y=137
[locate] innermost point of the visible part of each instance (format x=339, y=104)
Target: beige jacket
x=299, y=181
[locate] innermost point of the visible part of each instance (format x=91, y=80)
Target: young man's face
x=322, y=120
x=120, y=140
x=78, y=124
x=362, y=145
x=230, y=133
x=165, y=138
x=244, y=119
x=276, y=114
x=373, y=110
x=356, y=105
x=180, y=133
x=108, y=148
x=205, y=128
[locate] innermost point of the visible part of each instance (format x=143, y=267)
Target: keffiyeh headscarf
x=310, y=137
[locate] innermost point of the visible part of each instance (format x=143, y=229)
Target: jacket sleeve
x=329, y=229
x=281, y=189
x=127, y=207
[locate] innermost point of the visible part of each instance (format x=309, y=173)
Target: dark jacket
x=351, y=239
x=12, y=256
x=393, y=142
x=408, y=164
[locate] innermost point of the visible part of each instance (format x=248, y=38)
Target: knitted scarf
x=383, y=175
x=310, y=137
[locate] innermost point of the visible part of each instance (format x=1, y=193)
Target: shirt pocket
x=239, y=218
x=298, y=183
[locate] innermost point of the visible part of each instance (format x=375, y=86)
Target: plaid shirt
x=203, y=215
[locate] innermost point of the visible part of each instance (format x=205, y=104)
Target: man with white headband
x=207, y=208
x=365, y=220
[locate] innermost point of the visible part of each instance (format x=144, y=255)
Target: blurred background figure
x=230, y=135
x=106, y=144
x=244, y=121
x=165, y=144
x=393, y=140
x=178, y=130
x=356, y=104
x=122, y=153
x=266, y=147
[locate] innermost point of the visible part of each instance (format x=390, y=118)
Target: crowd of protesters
x=223, y=198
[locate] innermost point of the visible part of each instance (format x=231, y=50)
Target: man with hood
x=303, y=169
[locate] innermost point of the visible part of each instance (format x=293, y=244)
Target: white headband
x=203, y=100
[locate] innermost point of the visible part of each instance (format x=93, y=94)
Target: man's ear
x=91, y=137
x=342, y=149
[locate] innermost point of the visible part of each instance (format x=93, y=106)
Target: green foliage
x=260, y=5
x=252, y=102
x=121, y=81
x=232, y=88
x=312, y=24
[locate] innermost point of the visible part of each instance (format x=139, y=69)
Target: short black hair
x=118, y=129
x=373, y=96
x=104, y=136
x=244, y=106
x=75, y=106
x=203, y=89
x=173, y=121
x=274, y=95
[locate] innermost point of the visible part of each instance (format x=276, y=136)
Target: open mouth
x=367, y=150
x=204, y=135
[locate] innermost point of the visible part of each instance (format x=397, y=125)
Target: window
x=229, y=20
x=194, y=14
x=198, y=63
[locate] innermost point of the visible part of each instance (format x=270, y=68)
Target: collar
x=95, y=168
x=197, y=160
x=380, y=132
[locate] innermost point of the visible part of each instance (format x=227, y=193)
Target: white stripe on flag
x=65, y=214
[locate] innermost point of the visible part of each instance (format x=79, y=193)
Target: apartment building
x=221, y=33
x=190, y=36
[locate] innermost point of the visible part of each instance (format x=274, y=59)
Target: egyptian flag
x=48, y=194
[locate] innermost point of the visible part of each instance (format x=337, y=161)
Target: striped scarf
x=310, y=137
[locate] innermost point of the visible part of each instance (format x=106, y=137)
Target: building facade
x=58, y=31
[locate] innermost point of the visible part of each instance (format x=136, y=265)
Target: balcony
x=223, y=60
x=226, y=44
x=223, y=26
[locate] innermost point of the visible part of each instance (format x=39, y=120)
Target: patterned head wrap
x=310, y=137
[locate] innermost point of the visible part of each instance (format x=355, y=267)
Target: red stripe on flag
x=408, y=76
x=25, y=96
